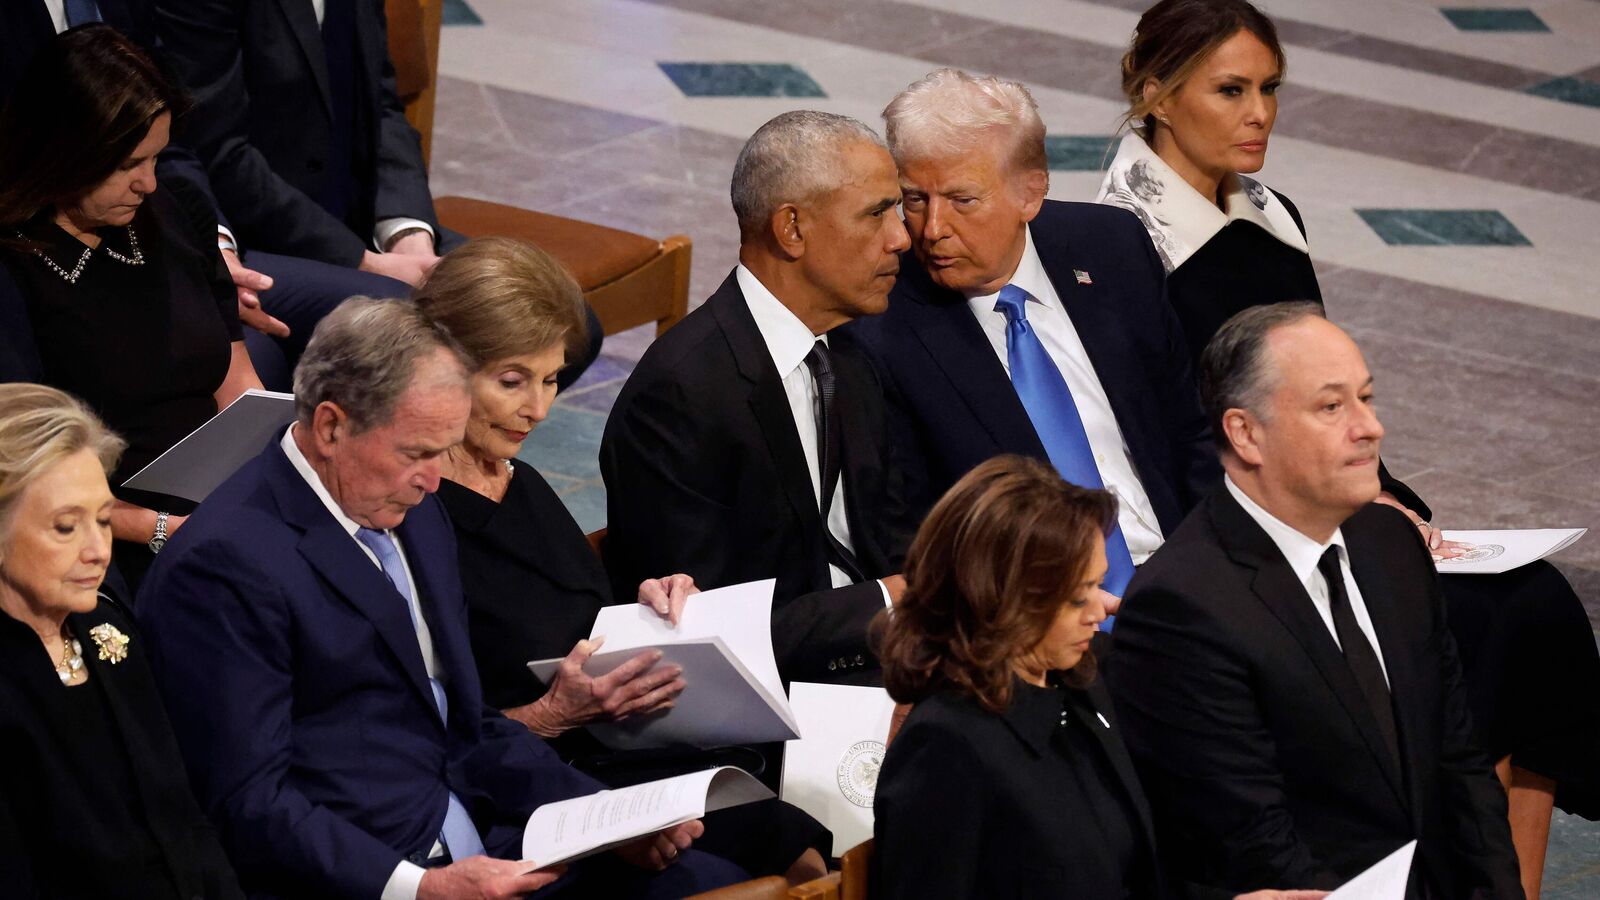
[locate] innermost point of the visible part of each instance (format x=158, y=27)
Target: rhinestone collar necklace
x=135, y=259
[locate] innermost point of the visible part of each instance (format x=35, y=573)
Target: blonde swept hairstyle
x=39, y=427
x=950, y=111
x=500, y=297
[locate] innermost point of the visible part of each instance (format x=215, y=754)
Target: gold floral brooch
x=113, y=644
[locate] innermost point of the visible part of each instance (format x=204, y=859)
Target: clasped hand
x=634, y=688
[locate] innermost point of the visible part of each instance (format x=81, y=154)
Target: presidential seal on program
x=858, y=772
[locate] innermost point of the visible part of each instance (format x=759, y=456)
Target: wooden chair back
x=414, y=29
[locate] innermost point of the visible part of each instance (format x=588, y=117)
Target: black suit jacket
x=25, y=26
x=56, y=837
x=1000, y=785
x=705, y=474
x=954, y=405
x=263, y=120
x=300, y=698
x=1263, y=763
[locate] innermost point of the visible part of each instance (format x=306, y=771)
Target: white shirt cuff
x=226, y=240
x=404, y=882
x=384, y=231
x=888, y=603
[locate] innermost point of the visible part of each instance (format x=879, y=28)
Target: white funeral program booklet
x=193, y=467
x=723, y=642
x=1386, y=880
x=832, y=772
x=572, y=829
x=1505, y=549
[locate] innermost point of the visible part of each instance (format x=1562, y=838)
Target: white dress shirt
x=1303, y=553
x=58, y=14
x=407, y=876
x=788, y=340
x=1054, y=327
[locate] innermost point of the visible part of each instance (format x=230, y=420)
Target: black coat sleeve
x=932, y=781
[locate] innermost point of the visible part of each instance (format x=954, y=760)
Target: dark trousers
x=303, y=291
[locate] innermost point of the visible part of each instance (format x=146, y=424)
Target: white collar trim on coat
x=1179, y=219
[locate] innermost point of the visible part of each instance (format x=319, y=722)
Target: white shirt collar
x=1030, y=276
x=787, y=338
x=303, y=466
x=1179, y=220
x=1302, y=552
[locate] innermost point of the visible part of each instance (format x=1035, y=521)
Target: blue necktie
x=1044, y=394
x=459, y=834
x=81, y=11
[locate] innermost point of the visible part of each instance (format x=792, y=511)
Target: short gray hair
x=1234, y=371
x=39, y=427
x=793, y=158
x=363, y=356
x=950, y=111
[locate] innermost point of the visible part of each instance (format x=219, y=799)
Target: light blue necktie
x=1044, y=394
x=459, y=834
x=81, y=11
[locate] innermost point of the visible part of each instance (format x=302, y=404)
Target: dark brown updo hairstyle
x=985, y=578
x=1173, y=38
x=80, y=108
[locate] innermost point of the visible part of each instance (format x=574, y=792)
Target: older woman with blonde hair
x=94, y=801
x=533, y=584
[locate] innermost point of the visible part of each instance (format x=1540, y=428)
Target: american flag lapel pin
x=1082, y=276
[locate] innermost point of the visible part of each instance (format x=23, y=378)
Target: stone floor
x=1446, y=158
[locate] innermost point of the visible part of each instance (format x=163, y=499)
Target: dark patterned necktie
x=828, y=455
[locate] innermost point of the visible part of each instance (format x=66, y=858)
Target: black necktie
x=81, y=11
x=828, y=454
x=1358, y=652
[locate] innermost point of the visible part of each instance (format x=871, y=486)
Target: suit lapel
x=1275, y=585
x=769, y=404
x=945, y=326
x=303, y=22
x=1105, y=340
x=438, y=588
x=1121, y=763
x=348, y=571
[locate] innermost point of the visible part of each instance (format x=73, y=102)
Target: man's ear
x=788, y=232
x=1034, y=185
x=329, y=426
x=1243, y=431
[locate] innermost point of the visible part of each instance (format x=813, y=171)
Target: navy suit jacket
x=953, y=406
x=297, y=691
x=264, y=117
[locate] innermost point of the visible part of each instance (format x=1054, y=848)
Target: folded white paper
x=1386, y=880
x=572, y=829
x=722, y=703
x=723, y=641
x=832, y=772
x=193, y=467
x=1505, y=549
